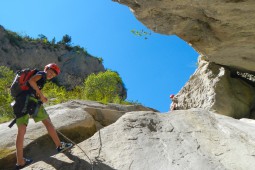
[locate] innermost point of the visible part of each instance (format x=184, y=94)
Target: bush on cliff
x=104, y=87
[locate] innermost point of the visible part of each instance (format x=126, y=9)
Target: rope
x=77, y=146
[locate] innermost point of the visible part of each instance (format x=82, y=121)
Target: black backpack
x=20, y=81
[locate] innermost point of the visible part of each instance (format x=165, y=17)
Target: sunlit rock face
x=223, y=30
x=214, y=87
x=192, y=139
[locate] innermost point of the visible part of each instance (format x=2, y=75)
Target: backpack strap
x=44, y=76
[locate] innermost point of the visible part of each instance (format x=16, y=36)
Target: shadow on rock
x=42, y=147
x=77, y=164
x=37, y=150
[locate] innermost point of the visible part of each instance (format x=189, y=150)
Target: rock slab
x=194, y=139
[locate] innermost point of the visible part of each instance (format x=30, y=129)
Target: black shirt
x=40, y=83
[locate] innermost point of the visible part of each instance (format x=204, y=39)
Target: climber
x=29, y=104
x=173, y=105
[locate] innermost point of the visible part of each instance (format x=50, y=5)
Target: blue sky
x=151, y=69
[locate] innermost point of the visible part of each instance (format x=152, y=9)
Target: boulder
x=193, y=139
x=77, y=120
x=76, y=124
x=104, y=115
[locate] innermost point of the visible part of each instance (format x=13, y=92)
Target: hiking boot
x=64, y=146
x=27, y=162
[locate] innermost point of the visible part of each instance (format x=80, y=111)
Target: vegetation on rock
x=16, y=39
x=103, y=87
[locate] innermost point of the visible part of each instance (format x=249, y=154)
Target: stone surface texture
x=193, y=139
x=212, y=87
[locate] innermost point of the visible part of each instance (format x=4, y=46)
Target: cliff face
x=223, y=31
x=75, y=66
x=214, y=87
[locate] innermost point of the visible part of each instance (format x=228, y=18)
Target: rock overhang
x=223, y=31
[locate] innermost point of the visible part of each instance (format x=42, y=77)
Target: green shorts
x=41, y=115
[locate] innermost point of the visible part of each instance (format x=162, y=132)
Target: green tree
x=6, y=78
x=66, y=40
x=103, y=87
x=53, y=41
x=14, y=38
x=42, y=37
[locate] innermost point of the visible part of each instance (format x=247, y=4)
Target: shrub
x=76, y=93
x=66, y=39
x=78, y=49
x=141, y=33
x=55, y=94
x=53, y=41
x=103, y=87
x=14, y=38
x=6, y=78
x=100, y=60
x=42, y=37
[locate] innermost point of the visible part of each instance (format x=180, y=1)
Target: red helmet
x=54, y=67
x=172, y=96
